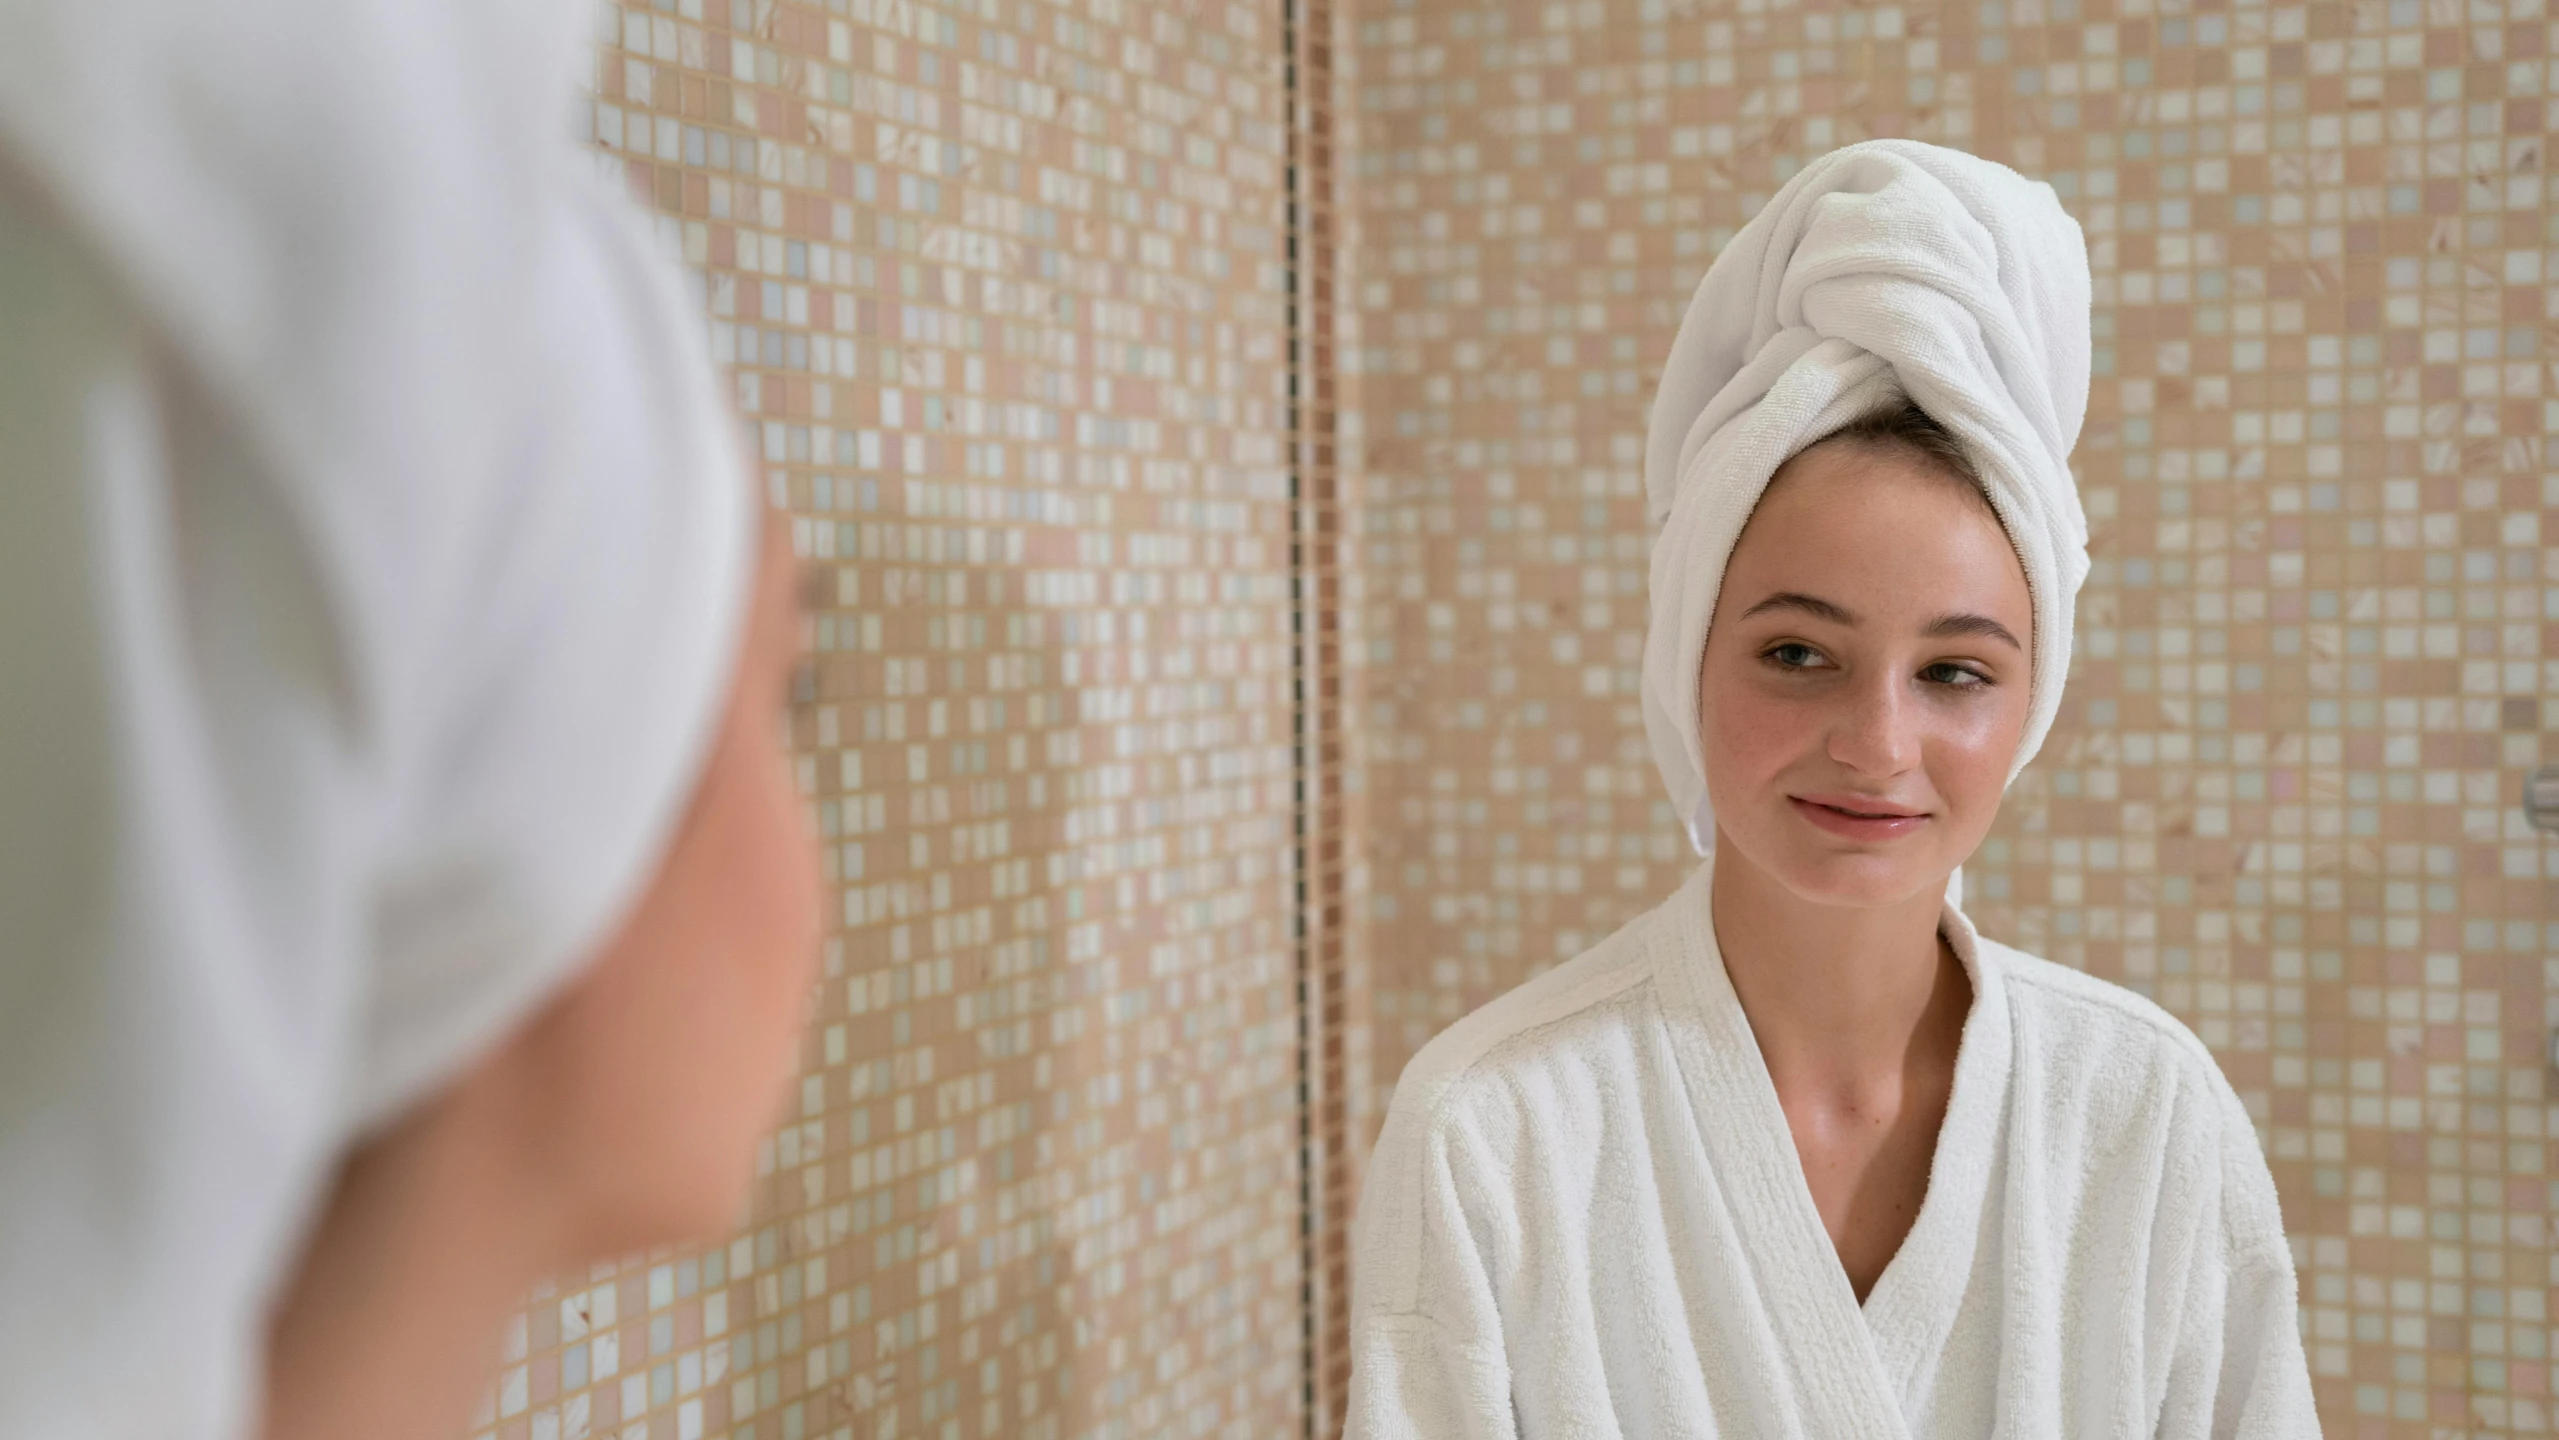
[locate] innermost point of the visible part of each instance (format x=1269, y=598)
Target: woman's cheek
x=1752, y=733
x=1971, y=768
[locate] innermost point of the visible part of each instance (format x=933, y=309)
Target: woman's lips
x=1855, y=817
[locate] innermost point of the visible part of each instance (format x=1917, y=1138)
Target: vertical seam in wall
x=1315, y=722
x=1300, y=931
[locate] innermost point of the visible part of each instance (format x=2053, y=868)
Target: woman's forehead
x=1877, y=535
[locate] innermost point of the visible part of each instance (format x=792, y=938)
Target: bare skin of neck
x=1859, y=1015
x=438, y=1228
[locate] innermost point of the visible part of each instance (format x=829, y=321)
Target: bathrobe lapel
x=1851, y=1369
x=1912, y=1308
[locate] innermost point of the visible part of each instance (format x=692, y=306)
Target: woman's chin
x=1860, y=879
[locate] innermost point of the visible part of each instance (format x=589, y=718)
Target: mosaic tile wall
x=2317, y=653
x=1002, y=285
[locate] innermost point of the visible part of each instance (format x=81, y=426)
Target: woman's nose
x=1877, y=731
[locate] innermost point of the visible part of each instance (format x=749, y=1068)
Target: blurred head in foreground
x=402, y=892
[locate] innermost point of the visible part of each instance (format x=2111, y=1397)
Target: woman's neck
x=437, y=1229
x=1844, y=1002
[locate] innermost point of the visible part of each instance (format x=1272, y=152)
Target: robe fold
x=1585, y=1218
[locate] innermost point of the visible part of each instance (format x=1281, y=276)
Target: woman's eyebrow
x=1982, y=625
x=1944, y=626
x=1812, y=605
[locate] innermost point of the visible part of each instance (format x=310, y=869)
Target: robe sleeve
x=2239, y=1372
x=1427, y=1359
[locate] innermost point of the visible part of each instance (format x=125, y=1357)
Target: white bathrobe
x=1586, y=1218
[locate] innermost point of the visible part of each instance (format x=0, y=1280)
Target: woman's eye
x=1954, y=676
x=1792, y=656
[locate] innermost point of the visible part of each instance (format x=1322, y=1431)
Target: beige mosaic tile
x=2312, y=665
x=1003, y=289
x=1006, y=290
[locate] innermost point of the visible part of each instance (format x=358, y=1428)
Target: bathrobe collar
x=1856, y=1363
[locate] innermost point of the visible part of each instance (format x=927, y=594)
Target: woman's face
x=665, y=1062
x=1865, y=678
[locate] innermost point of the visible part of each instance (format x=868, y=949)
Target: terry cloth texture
x=1586, y=1219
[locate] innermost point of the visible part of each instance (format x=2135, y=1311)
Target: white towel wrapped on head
x=1886, y=270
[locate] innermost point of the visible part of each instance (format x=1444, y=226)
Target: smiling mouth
x=1852, y=816
x=1860, y=812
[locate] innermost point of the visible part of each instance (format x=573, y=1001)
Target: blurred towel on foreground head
x=373, y=554
x=1883, y=271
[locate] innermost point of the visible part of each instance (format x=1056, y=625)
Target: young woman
x=1799, y=1153
x=404, y=892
